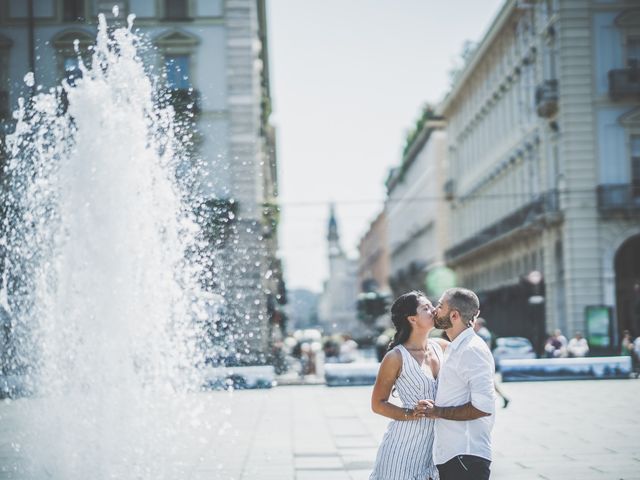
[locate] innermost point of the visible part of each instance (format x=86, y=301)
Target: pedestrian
x=554, y=346
x=578, y=346
x=563, y=343
x=636, y=351
x=480, y=327
x=464, y=404
x=348, y=349
x=410, y=370
x=628, y=349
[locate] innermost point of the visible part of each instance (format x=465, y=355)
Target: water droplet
x=116, y=11
x=29, y=79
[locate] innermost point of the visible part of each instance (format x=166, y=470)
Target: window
x=73, y=10
x=71, y=69
x=67, y=58
x=633, y=52
x=549, y=9
x=5, y=109
x=635, y=166
x=177, y=68
x=176, y=9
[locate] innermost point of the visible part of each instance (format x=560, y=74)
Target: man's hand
x=428, y=407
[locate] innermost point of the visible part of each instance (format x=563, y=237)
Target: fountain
x=100, y=275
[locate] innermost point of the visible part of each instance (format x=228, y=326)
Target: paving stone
x=314, y=432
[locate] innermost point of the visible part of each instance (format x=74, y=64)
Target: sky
x=348, y=81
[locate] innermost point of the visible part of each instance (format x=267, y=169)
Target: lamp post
x=536, y=304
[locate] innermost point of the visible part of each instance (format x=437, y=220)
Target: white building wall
x=503, y=155
x=226, y=68
x=416, y=212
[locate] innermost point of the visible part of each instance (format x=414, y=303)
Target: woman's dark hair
x=404, y=306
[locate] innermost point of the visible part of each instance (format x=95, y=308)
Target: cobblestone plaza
x=551, y=430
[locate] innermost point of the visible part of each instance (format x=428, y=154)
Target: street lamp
x=536, y=302
x=535, y=278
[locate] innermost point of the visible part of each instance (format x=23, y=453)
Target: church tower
x=337, y=303
x=333, y=237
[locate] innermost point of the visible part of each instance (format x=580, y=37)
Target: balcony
x=547, y=98
x=536, y=213
x=624, y=83
x=183, y=100
x=619, y=199
x=7, y=123
x=449, y=189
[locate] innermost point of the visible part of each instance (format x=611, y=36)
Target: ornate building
x=544, y=149
x=416, y=213
x=214, y=55
x=337, y=305
x=373, y=258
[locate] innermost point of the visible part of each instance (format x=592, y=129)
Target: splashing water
x=105, y=304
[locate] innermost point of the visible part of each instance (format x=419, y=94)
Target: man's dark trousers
x=465, y=467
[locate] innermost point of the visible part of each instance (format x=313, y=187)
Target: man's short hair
x=464, y=301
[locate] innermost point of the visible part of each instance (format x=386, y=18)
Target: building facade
x=212, y=57
x=302, y=309
x=416, y=212
x=373, y=257
x=337, y=303
x=542, y=129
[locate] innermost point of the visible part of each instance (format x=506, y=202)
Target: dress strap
x=437, y=349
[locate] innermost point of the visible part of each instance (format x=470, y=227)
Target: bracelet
x=407, y=412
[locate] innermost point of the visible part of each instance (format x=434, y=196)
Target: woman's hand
x=427, y=407
x=419, y=411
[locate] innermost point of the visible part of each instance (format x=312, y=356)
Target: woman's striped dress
x=406, y=449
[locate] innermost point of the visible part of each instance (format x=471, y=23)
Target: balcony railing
x=619, y=198
x=5, y=110
x=528, y=215
x=547, y=98
x=624, y=83
x=183, y=100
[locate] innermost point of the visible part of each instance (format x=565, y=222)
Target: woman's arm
x=387, y=375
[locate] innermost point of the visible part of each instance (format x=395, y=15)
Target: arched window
x=177, y=50
x=629, y=23
x=631, y=123
x=5, y=106
x=73, y=10
x=68, y=61
x=176, y=9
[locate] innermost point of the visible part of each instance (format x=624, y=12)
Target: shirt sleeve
x=478, y=369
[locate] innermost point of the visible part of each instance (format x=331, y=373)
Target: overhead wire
x=434, y=198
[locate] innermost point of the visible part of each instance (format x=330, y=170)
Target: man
x=480, y=327
x=465, y=401
x=578, y=346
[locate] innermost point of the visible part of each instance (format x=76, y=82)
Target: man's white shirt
x=467, y=374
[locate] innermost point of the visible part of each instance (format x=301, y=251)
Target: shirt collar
x=466, y=333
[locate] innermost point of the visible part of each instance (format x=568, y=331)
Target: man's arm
x=477, y=368
x=462, y=412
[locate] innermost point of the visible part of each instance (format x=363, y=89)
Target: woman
x=410, y=368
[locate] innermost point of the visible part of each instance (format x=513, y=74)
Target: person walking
x=480, y=327
x=628, y=349
x=464, y=405
x=410, y=369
